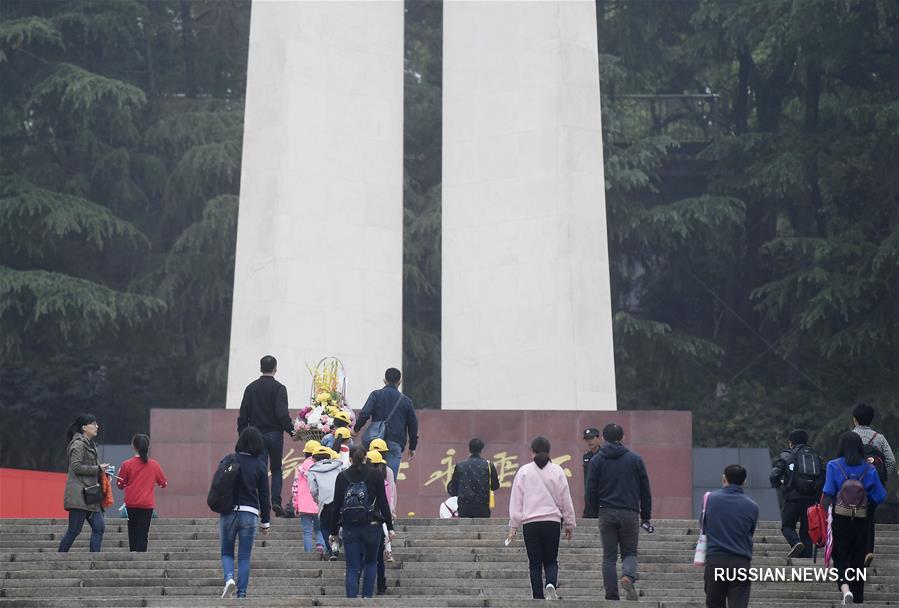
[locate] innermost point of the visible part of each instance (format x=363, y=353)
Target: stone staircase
x=439, y=564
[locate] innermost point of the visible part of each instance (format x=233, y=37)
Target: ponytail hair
x=357, y=457
x=141, y=445
x=540, y=448
x=76, y=426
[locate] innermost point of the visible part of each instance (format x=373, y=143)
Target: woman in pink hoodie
x=541, y=505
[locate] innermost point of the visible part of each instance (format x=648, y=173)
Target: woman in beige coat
x=84, y=472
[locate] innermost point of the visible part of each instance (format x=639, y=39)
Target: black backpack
x=224, y=485
x=876, y=458
x=805, y=475
x=358, y=506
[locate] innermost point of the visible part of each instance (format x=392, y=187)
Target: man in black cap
x=591, y=438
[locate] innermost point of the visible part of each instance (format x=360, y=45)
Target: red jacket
x=137, y=480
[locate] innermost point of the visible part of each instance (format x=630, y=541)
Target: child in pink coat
x=304, y=505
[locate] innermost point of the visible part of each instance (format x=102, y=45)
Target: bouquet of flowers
x=326, y=400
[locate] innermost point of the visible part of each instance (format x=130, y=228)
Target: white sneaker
x=550, y=592
x=848, y=599
x=230, y=588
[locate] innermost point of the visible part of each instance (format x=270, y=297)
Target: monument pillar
x=525, y=295
x=320, y=226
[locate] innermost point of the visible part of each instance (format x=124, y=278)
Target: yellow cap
x=378, y=444
x=310, y=446
x=333, y=453
x=374, y=457
x=323, y=449
x=341, y=415
x=342, y=432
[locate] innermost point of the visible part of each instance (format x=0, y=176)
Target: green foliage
x=33, y=218
x=51, y=306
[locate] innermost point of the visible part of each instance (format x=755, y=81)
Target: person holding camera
x=83, y=494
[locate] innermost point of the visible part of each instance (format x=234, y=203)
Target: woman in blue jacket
x=850, y=523
x=252, y=506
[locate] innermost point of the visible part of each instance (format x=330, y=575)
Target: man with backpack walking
x=473, y=480
x=799, y=472
x=879, y=454
x=392, y=419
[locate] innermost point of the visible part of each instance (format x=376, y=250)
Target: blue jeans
x=394, y=457
x=76, y=522
x=360, y=548
x=312, y=533
x=240, y=526
x=274, y=449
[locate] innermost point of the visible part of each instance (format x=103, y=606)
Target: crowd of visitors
x=345, y=494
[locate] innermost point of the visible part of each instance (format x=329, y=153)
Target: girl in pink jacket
x=541, y=505
x=304, y=505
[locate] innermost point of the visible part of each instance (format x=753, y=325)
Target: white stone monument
x=525, y=281
x=320, y=226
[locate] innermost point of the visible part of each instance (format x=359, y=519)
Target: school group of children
x=313, y=491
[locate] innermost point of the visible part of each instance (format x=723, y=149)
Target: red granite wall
x=189, y=444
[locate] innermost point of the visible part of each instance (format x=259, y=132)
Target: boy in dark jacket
x=618, y=487
x=472, y=481
x=792, y=471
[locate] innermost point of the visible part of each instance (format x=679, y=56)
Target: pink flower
x=326, y=429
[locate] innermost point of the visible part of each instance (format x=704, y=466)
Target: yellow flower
x=323, y=397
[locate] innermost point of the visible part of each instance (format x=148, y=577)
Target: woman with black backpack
x=360, y=508
x=851, y=485
x=252, y=510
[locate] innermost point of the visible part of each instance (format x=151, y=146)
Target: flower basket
x=326, y=399
x=310, y=434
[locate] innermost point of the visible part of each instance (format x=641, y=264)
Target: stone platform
x=439, y=564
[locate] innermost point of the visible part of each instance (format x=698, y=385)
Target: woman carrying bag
x=84, y=493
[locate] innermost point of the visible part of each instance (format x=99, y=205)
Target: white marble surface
x=526, y=300
x=320, y=227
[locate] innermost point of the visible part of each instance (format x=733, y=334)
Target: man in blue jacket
x=729, y=522
x=395, y=410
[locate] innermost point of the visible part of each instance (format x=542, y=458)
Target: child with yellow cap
x=304, y=505
x=375, y=459
x=322, y=476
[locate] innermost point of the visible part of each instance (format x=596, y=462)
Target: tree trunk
x=189, y=54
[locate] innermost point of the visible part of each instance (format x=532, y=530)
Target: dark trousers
x=795, y=511
x=541, y=539
x=723, y=593
x=850, y=542
x=138, y=528
x=274, y=445
x=382, y=570
x=477, y=510
x=618, y=529
x=870, y=546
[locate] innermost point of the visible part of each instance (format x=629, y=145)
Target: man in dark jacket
x=472, y=481
x=591, y=438
x=618, y=486
x=799, y=472
x=729, y=522
x=264, y=405
x=395, y=409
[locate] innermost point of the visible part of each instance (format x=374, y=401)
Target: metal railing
x=684, y=118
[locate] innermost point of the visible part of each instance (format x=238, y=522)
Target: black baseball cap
x=591, y=433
